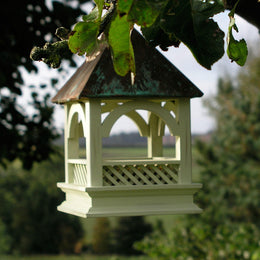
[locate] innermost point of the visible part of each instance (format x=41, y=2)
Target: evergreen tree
x=229, y=227
x=128, y=231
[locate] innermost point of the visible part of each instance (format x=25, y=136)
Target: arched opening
x=130, y=108
x=152, y=163
x=77, y=140
x=153, y=120
x=76, y=146
x=124, y=140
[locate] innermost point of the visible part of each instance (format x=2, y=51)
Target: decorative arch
x=76, y=110
x=160, y=125
x=142, y=126
x=128, y=107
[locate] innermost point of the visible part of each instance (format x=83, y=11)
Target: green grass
x=121, y=152
x=132, y=151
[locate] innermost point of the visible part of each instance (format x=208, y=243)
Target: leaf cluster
x=163, y=23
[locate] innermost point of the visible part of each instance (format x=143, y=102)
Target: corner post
x=66, y=141
x=94, y=143
x=183, y=142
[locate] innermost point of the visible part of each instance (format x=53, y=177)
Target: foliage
x=229, y=227
x=128, y=231
x=199, y=241
x=5, y=240
x=22, y=136
x=28, y=211
x=70, y=257
x=101, y=241
x=163, y=23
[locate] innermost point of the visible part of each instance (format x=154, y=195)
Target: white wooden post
x=183, y=142
x=154, y=141
x=94, y=143
x=71, y=145
x=66, y=134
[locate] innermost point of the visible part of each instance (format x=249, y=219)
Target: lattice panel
x=140, y=174
x=80, y=174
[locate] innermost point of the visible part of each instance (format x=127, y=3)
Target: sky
x=181, y=57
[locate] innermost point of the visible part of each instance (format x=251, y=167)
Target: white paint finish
x=154, y=140
x=129, y=200
x=94, y=142
x=75, y=126
x=77, y=161
x=142, y=105
x=183, y=142
x=80, y=174
x=97, y=186
x=133, y=115
x=108, y=106
x=66, y=144
x=76, y=114
x=143, y=161
x=143, y=128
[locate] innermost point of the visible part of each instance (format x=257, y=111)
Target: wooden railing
x=156, y=171
x=140, y=172
x=79, y=174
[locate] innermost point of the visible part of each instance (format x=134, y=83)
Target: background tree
x=229, y=227
x=25, y=24
x=101, y=240
x=128, y=231
x=29, y=220
x=5, y=240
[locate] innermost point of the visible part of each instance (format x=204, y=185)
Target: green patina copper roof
x=156, y=77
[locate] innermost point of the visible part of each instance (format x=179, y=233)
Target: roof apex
x=156, y=77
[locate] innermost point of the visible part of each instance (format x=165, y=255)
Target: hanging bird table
x=98, y=186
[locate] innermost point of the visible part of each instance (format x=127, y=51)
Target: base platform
x=129, y=200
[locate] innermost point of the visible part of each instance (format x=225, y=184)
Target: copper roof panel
x=156, y=77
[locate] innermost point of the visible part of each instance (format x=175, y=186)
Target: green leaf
x=143, y=13
x=190, y=22
x=121, y=47
x=83, y=38
x=93, y=16
x=124, y=6
x=156, y=36
x=208, y=8
x=236, y=50
x=99, y=4
x=96, y=13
